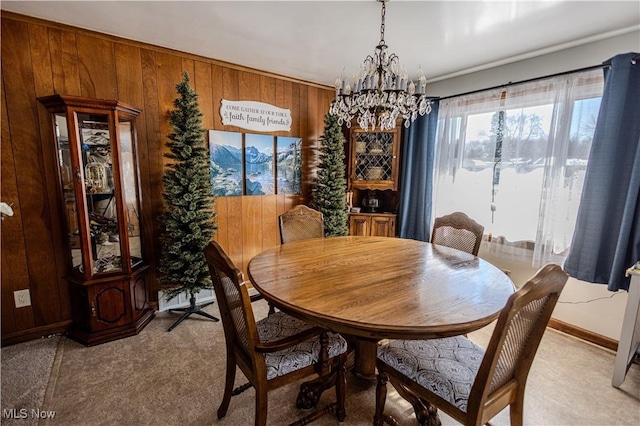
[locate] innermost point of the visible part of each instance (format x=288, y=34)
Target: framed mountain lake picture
x=258, y=163
x=226, y=165
x=288, y=165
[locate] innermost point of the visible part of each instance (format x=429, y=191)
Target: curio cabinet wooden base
x=109, y=308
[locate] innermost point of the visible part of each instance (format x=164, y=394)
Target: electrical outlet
x=22, y=298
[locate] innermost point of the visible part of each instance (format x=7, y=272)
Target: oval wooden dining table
x=378, y=288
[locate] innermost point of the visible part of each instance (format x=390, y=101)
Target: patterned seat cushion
x=279, y=325
x=446, y=367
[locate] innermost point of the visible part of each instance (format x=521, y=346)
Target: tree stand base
x=192, y=309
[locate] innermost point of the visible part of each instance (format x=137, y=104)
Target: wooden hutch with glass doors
x=374, y=160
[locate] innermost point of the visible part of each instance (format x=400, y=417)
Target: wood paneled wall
x=42, y=58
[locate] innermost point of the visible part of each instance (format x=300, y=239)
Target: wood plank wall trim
x=191, y=56
x=583, y=334
x=41, y=58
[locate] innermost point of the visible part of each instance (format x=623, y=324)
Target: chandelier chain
x=384, y=10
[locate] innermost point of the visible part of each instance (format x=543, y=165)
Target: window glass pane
x=583, y=123
x=517, y=166
x=468, y=187
x=518, y=187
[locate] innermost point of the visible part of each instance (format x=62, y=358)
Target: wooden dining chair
x=300, y=223
x=275, y=351
x=460, y=378
x=458, y=231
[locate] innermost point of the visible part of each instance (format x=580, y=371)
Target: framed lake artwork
x=226, y=165
x=288, y=165
x=258, y=162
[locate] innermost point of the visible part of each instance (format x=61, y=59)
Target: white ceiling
x=315, y=40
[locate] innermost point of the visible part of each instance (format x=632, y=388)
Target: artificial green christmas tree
x=330, y=192
x=188, y=222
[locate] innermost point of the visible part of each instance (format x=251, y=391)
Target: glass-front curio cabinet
x=100, y=191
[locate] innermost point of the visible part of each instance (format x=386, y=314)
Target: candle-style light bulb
x=422, y=81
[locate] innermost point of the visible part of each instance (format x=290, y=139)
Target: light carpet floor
x=26, y=372
x=177, y=378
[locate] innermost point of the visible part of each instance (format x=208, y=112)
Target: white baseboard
x=182, y=300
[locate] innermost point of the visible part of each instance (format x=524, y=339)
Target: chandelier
x=381, y=91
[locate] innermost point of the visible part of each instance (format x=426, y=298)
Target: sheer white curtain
x=513, y=159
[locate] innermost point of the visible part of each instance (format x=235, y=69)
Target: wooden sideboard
x=372, y=224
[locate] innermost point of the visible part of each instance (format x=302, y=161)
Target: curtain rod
x=593, y=67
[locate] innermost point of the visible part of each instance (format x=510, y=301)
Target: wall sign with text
x=256, y=116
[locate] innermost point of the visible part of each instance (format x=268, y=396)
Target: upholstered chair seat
x=278, y=326
x=447, y=367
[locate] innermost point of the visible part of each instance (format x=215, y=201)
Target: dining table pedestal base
x=364, y=366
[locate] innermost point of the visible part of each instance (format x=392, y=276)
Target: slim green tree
x=330, y=192
x=188, y=222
